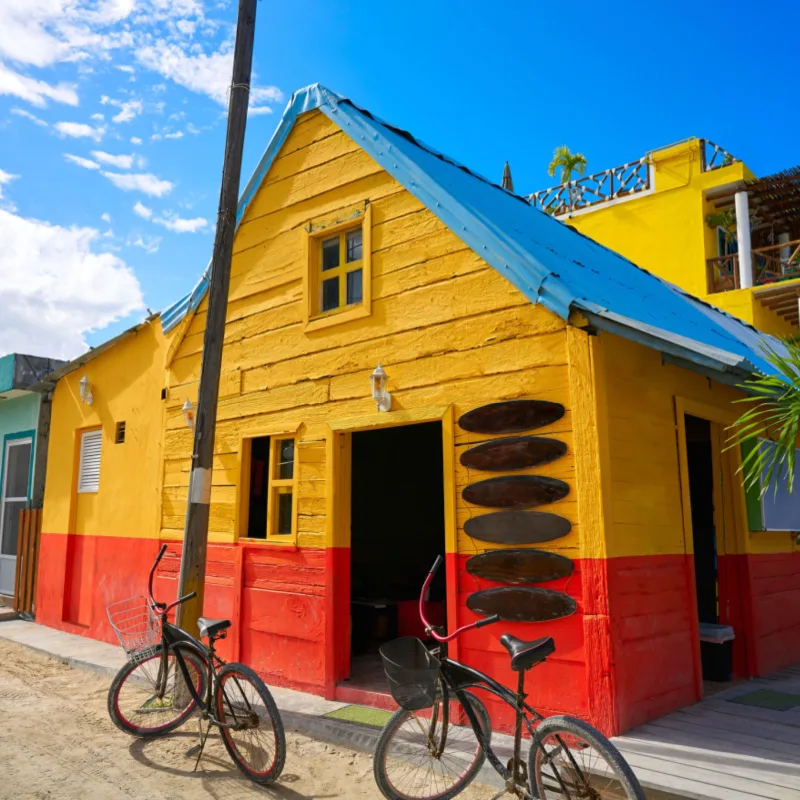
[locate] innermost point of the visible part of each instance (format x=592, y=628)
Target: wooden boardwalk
x=722, y=750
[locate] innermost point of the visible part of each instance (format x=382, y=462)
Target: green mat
x=766, y=698
x=374, y=717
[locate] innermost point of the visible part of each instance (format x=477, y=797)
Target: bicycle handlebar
x=153, y=572
x=429, y=628
x=180, y=600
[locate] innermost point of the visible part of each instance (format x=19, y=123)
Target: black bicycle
x=433, y=747
x=170, y=675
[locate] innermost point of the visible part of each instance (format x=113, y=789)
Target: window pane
x=330, y=294
x=10, y=524
x=18, y=470
x=354, y=245
x=330, y=253
x=354, y=292
x=259, y=486
x=284, y=513
x=286, y=459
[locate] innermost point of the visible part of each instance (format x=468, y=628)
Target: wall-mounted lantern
x=86, y=390
x=382, y=398
x=188, y=413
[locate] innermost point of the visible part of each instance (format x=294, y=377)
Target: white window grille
x=89, y=469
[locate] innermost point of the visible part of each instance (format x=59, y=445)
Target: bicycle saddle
x=525, y=654
x=211, y=627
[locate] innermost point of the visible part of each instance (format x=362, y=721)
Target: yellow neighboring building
x=655, y=211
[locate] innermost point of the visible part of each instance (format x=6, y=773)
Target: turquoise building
x=24, y=425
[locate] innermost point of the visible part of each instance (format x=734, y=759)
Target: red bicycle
x=170, y=675
x=434, y=746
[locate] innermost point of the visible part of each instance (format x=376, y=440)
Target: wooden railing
x=30, y=528
x=601, y=187
x=771, y=264
x=714, y=156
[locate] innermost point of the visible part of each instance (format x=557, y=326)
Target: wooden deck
x=722, y=750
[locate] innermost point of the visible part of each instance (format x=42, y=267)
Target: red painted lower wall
x=626, y=656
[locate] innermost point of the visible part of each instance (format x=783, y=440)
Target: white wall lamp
x=188, y=413
x=382, y=398
x=86, y=391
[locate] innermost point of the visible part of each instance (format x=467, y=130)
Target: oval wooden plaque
x=511, y=416
x=520, y=566
x=522, y=604
x=517, y=527
x=515, y=491
x=515, y=452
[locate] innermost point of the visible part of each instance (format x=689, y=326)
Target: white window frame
x=85, y=484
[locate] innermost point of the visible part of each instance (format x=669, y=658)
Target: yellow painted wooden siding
x=639, y=437
x=447, y=327
x=126, y=383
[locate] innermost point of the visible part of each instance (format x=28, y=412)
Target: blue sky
x=112, y=118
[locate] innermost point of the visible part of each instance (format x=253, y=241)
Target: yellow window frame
x=275, y=487
x=314, y=234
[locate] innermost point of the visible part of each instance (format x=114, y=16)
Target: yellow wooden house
x=336, y=483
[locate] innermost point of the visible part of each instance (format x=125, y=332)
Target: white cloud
x=82, y=162
x=254, y=111
x=126, y=68
x=120, y=161
x=106, y=217
x=129, y=109
x=135, y=140
x=140, y=182
x=176, y=135
x=192, y=129
x=34, y=91
x=199, y=72
x=142, y=210
x=98, y=117
x=54, y=287
x=178, y=224
x=6, y=177
x=78, y=130
x=21, y=112
x=149, y=244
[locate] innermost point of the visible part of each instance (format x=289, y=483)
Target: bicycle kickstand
x=198, y=748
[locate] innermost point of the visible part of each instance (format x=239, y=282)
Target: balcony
x=767, y=238
x=617, y=183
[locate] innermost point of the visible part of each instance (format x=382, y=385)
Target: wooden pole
x=195, y=537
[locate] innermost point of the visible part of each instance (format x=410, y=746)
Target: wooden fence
x=30, y=528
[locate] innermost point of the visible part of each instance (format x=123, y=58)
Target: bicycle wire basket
x=412, y=672
x=137, y=626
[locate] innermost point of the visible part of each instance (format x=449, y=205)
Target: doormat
x=374, y=717
x=767, y=698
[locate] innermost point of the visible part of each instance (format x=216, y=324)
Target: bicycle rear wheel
x=419, y=756
x=149, y=698
x=253, y=731
x=570, y=760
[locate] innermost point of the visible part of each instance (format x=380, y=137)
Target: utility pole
x=195, y=536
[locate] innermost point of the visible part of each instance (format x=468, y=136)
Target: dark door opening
x=396, y=531
x=701, y=496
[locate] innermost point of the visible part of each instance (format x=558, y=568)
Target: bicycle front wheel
x=149, y=698
x=430, y=754
x=252, y=729
x=570, y=760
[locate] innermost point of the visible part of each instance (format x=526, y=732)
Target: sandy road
x=57, y=742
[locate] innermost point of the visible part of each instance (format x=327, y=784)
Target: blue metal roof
x=549, y=262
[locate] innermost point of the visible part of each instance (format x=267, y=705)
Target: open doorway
x=397, y=528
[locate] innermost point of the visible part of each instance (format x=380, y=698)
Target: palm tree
x=774, y=413
x=568, y=162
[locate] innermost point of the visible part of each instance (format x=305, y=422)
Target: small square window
x=269, y=502
x=119, y=436
x=354, y=287
x=353, y=246
x=330, y=254
x=330, y=294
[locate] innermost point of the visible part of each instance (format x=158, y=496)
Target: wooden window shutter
x=89, y=469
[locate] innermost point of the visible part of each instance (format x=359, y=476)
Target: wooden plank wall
x=30, y=528
x=447, y=327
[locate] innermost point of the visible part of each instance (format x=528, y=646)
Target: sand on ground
x=57, y=743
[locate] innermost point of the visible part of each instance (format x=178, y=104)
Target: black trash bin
x=716, y=652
